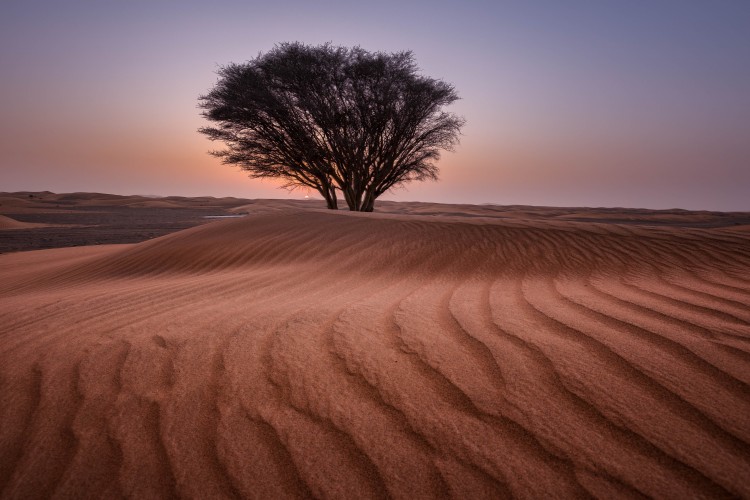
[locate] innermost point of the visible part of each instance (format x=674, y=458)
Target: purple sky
x=595, y=103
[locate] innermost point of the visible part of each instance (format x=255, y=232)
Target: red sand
x=296, y=353
x=10, y=223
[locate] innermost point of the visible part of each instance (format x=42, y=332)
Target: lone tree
x=329, y=118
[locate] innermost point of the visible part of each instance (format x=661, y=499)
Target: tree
x=332, y=118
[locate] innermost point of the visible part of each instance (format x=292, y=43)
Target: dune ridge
x=303, y=353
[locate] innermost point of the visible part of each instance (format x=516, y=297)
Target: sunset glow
x=563, y=312
x=569, y=104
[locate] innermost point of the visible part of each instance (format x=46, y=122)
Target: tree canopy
x=332, y=118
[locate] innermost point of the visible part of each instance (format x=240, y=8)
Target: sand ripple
x=299, y=353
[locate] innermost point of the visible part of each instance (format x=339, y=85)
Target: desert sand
x=32, y=221
x=10, y=223
x=420, y=351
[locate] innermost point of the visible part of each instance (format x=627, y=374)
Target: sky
x=578, y=103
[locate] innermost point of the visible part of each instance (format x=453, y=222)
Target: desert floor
x=420, y=351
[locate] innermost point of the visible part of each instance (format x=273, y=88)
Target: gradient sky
x=587, y=103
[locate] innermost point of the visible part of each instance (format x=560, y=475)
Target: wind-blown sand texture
x=298, y=353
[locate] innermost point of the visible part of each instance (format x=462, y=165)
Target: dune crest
x=303, y=353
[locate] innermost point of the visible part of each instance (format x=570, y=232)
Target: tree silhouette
x=329, y=117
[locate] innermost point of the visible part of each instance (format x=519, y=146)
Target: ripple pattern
x=300, y=354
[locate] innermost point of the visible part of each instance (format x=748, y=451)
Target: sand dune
x=302, y=353
x=45, y=220
x=10, y=223
x=154, y=204
x=26, y=201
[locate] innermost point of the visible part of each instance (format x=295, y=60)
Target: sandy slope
x=306, y=353
x=10, y=223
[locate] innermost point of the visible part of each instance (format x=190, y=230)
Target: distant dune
x=154, y=204
x=9, y=223
x=421, y=351
x=52, y=220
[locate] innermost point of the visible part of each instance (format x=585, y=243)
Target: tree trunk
x=329, y=194
x=353, y=199
x=333, y=203
x=348, y=198
x=368, y=204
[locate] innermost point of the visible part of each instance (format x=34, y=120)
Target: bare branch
x=330, y=118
